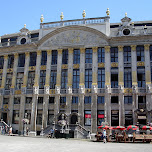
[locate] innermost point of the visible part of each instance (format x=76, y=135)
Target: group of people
x=102, y=136
x=6, y=130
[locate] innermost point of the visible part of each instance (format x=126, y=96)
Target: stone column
x=121, y=86
x=147, y=76
x=22, y=114
x=35, y=95
x=47, y=89
x=26, y=68
x=3, y=81
x=10, y=107
x=58, y=85
x=81, y=87
x=107, y=106
x=134, y=81
x=94, y=91
x=69, y=88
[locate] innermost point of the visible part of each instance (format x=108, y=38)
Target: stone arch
x=51, y=37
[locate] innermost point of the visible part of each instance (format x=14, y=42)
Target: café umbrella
x=146, y=127
x=133, y=127
x=119, y=127
x=104, y=127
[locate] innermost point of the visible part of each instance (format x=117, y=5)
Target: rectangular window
x=101, y=78
x=39, y=117
x=1, y=62
x=51, y=100
x=53, y=79
x=101, y=55
x=141, y=102
x=44, y=58
x=10, y=61
x=15, y=117
x=114, y=99
x=30, y=81
x=5, y=100
x=87, y=100
x=88, y=78
x=88, y=56
x=114, y=80
x=127, y=99
x=100, y=99
x=114, y=54
x=128, y=118
x=62, y=100
x=127, y=78
x=76, y=78
x=114, y=117
x=1, y=79
x=28, y=100
x=17, y=100
x=21, y=60
x=65, y=57
x=54, y=57
x=19, y=80
x=40, y=100
x=140, y=53
x=64, y=79
x=87, y=117
x=42, y=79
x=33, y=56
x=127, y=54
x=76, y=56
x=141, y=77
x=8, y=81
x=100, y=114
x=74, y=100
x=28, y=115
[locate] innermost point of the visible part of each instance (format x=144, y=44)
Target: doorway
x=74, y=119
x=4, y=117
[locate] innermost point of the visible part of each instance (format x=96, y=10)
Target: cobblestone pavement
x=28, y=144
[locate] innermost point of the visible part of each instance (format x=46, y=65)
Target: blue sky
x=16, y=13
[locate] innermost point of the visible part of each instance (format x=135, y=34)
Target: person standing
x=104, y=136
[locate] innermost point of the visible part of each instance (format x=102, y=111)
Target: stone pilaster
x=10, y=107
x=58, y=85
x=1, y=105
x=94, y=91
x=121, y=86
x=14, y=71
x=81, y=87
x=27, y=60
x=35, y=95
x=21, y=113
x=107, y=106
x=134, y=81
x=45, y=110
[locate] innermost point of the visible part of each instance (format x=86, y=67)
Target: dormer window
x=23, y=41
x=126, y=32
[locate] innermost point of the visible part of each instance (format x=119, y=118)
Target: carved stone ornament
x=36, y=89
x=108, y=89
x=69, y=90
x=57, y=89
x=121, y=88
x=47, y=90
x=94, y=89
x=135, y=89
x=81, y=89
x=74, y=37
x=148, y=88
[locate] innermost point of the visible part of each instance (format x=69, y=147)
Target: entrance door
x=74, y=119
x=4, y=117
x=114, y=118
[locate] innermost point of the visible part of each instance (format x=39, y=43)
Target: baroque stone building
x=89, y=69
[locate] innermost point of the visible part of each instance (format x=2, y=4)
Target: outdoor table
x=119, y=138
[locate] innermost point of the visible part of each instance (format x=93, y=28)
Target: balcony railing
x=98, y=20
x=141, y=105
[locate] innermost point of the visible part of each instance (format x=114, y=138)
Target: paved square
x=28, y=144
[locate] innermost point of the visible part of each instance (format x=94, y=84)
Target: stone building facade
x=89, y=69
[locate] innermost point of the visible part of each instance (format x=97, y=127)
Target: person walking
x=104, y=136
